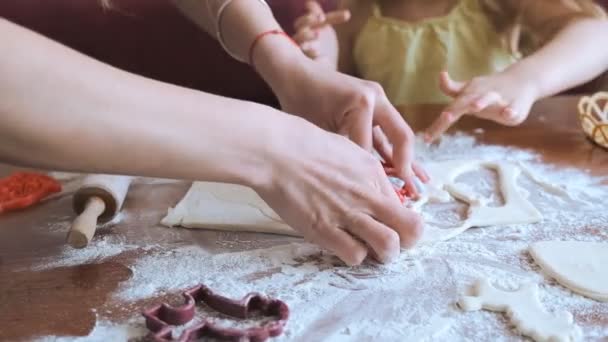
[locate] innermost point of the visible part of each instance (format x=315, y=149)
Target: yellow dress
x=406, y=58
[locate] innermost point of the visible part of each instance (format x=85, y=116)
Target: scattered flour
x=100, y=248
x=104, y=332
x=410, y=299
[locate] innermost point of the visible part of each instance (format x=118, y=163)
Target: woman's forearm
x=574, y=56
x=242, y=21
x=62, y=110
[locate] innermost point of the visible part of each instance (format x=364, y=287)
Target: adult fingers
x=344, y=245
x=360, y=127
x=486, y=100
x=400, y=135
x=380, y=238
x=382, y=144
x=402, y=220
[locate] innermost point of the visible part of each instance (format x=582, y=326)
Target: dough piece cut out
x=524, y=310
x=580, y=266
x=223, y=206
x=516, y=209
x=237, y=208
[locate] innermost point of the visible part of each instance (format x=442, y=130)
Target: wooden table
x=66, y=300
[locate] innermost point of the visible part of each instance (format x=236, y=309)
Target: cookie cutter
x=161, y=319
x=399, y=184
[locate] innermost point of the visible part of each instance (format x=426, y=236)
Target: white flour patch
x=98, y=250
x=414, y=297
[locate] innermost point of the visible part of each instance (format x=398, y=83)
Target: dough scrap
x=516, y=210
x=580, y=266
x=524, y=310
x=237, y=208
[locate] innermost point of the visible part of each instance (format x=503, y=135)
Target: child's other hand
x=313, y=24
x=499, y=97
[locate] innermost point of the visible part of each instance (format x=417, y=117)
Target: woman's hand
x=336, y=194
x=314, y=25
x=500, y=97
x=345, y=105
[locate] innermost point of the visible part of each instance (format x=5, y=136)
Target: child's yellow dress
x=406, y=58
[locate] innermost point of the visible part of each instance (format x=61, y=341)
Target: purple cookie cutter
x=161, y=319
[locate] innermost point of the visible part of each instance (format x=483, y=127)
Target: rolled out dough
x=516, y=209
x=580, y=266
x=524, y=310
x=237, y=208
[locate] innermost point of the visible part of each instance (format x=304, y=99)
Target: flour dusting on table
x=414, y=297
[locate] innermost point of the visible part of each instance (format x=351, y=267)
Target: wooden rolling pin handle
x=85, y=224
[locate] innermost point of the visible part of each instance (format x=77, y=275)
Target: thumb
x=448, y=85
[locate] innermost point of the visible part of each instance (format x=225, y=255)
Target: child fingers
x=311, y=49
x=464, y=103
x=337, y=17
x=486, y=100
x=512, y=116
x=314, y=7
x=305, y=35
x=316, y=16
x=441, y=125
x=450, y=115
x=449, y=86
x=309, y=20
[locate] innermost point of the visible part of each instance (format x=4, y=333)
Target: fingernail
x=427, y=137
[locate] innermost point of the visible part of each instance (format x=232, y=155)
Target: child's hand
x=315, y=23
x=499, y=97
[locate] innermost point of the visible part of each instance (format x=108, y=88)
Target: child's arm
x=574, y=54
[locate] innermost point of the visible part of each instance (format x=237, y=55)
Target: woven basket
x=593, y=114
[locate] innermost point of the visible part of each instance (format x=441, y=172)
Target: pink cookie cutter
x=161, y=319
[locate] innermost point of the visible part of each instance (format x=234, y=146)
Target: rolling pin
x=98, y=201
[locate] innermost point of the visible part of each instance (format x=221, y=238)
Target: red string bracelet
x=264, y=34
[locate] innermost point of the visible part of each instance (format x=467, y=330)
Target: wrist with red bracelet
x=256, y=41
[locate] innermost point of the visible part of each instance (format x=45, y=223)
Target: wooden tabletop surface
x=66, y=301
